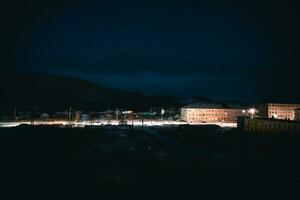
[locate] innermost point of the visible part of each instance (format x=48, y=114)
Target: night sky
x=246, y=50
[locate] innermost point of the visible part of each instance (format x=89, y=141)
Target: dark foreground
x=147, y=162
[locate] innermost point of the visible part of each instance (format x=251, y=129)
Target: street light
x=252, y=111
x=162, y=114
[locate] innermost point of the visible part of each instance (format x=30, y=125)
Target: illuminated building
x=268, y=125
x=197, y=113
x=278, y=110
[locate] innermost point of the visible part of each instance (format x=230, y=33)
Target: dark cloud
x=222, y=49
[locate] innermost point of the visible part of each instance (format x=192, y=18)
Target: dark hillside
x=53, y=93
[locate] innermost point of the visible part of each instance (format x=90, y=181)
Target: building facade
x=268, y=125
x=278, y=110
x=199, y=113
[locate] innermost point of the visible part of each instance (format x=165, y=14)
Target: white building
x=199, y=112
x=278, y=110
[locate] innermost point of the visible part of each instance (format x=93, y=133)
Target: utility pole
x=117, y=114
x=69, y=115
x=132, y=119
x=15, y=114
x=31, y=116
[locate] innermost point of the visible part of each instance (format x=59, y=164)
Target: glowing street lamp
x=252, y=111
x=162, y=114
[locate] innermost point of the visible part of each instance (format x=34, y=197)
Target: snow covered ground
x=113, y=122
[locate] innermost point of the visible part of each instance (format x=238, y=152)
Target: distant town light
x=127, y=112
x=252, y=111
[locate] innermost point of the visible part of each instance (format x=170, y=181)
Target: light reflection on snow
x=114, y=122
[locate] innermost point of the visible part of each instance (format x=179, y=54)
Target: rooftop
x=203, y=105
x=214, y=105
